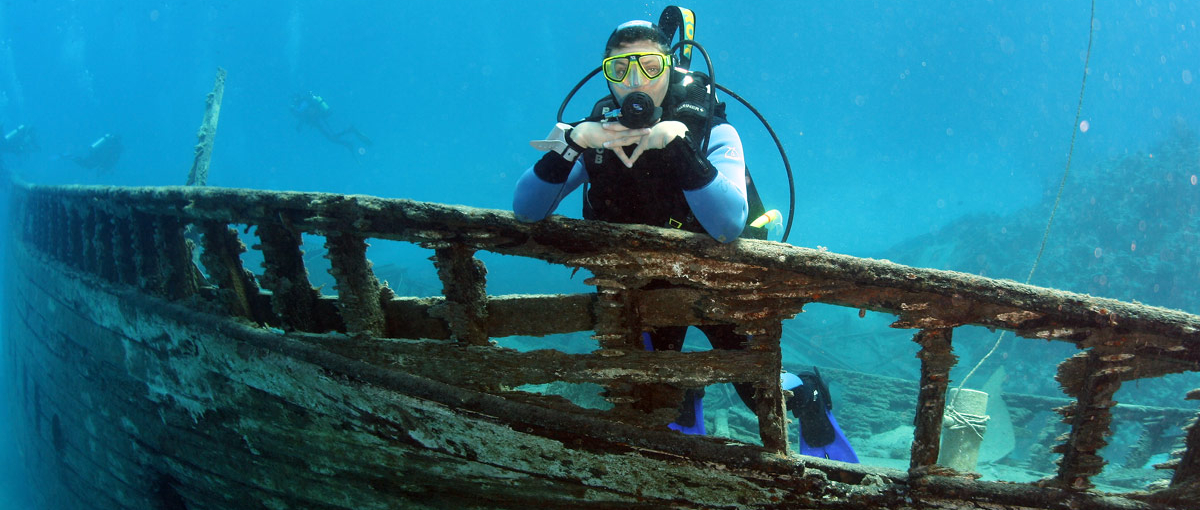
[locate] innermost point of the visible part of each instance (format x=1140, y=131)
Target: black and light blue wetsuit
x=670, y=187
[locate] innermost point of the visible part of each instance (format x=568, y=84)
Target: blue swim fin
x=811, y=404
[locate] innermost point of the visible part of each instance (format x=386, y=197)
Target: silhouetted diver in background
x=312, y=109
x=102, y=154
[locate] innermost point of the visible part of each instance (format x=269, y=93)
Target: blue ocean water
x=901, y=118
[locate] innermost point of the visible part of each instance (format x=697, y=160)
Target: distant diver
x=20, y=140
x=312, y=109
x=102, y=154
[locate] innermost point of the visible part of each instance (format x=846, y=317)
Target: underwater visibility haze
x=933, y=134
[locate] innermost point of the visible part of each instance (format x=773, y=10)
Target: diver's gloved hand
x=658, y=137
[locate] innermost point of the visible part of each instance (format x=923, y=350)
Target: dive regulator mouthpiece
x=638, y=111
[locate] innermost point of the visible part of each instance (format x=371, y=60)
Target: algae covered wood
x=198, y=175
x=238, y=415
x=349, y=380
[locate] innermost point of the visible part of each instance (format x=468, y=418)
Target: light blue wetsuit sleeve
x=720, y=206
x=535, y=198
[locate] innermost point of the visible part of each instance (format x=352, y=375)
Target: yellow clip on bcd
x=772, y=216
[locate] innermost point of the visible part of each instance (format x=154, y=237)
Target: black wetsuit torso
x=650, y=193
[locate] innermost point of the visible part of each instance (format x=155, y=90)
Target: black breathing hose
x=712, y=102
x=787, y=166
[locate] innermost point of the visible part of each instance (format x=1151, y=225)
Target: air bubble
x=1098, y=252
x=1083, y=126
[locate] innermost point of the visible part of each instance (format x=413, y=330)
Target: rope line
x=1057, y=198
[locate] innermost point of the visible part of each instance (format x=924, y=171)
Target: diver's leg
x=353, y=131
x=722, y=336
x=668, y=338
x=691, y=410
x=327, y=132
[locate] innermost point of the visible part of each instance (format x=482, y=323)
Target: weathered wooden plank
x=74, y=437
x=1187, y=473
x=198, y=175
x=106, y=265
x=128, y=438
x=477, y=366
x=540, y=315
x=125, y=432
x=763, y=347
x=293, y=298
x=510, y=315
x=290, y=441
x=937, y=358
x=1092, y=379
x=181, y=278
x=618, y=331
x=87, y=249
x=745, y=283
x=221, y=256
x=463, y=284
x=123, y=249
x=60, y=245
x=838, y=279
x=358, y=289
x=145, y=252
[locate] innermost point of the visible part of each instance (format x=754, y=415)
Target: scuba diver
x=20, y=140
x=657, y=150
x=102, y=154
x=312, y=109
x=665, y=180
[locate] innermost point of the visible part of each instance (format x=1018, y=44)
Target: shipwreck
x=153, y=370
x=146, y=382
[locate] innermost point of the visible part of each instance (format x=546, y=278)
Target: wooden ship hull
x=146, y=382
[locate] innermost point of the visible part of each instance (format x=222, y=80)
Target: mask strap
x=678, y=19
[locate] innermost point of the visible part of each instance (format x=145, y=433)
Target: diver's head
x=637, y=59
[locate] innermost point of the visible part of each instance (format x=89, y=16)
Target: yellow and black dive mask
x=652, y=65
